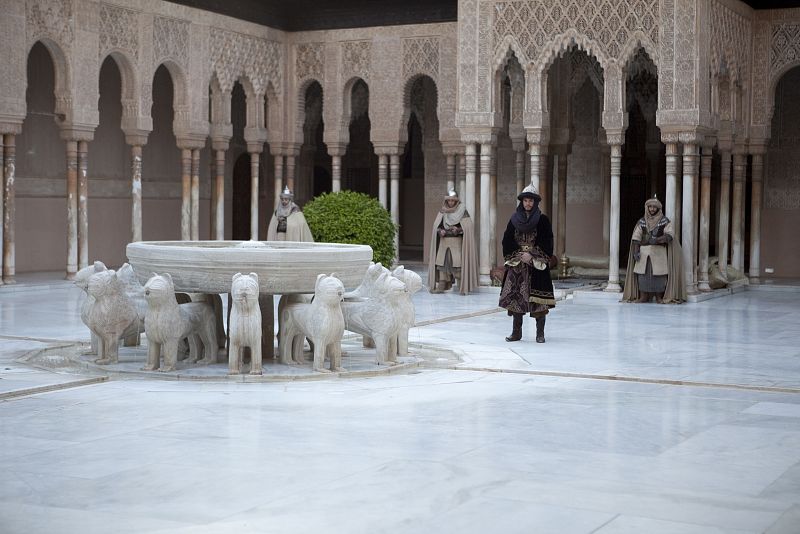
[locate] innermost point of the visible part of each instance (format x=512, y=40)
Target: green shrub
x=350, y=217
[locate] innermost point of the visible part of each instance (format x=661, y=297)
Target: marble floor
x=630, y=419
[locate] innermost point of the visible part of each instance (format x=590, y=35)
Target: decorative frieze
x=356, y=59
x=119, y=30
x=50, y=18
x=234, y=54
x=310, y=61
x=421, y=56
x=170, y=40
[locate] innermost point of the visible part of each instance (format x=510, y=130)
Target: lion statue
x=244, y=324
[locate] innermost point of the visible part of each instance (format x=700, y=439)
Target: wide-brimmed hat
x=529, y=192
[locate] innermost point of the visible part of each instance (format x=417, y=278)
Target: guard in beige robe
x=654, y=260
x=452, y=256
x=288, y=223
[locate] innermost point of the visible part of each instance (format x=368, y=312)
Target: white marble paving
x=431, y=450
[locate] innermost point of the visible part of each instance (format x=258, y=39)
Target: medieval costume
x=288, y=223
x=452, y=256
x=527, y=249
x=654, y=261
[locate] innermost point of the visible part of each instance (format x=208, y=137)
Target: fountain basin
x=282, y=266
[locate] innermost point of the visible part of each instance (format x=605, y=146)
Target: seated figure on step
x=452, y=258
x=654, y=261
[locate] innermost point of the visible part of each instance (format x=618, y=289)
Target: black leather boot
x=516, y=330
x=540, y=329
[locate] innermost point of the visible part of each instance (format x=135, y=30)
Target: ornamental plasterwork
x=234, y=54
x=310, y=61
x=666, y=71
x=611, y=23
x=50, y=18
x=170, y=40
x=784, y=46
x=421, y=56
x=468, y=36
x=119, y=30
x=730, y=40
x=685, y=32
x=356, y=59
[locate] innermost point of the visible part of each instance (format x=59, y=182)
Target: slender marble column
x=383, y=170
x=737, y=212
x=290, y=169
x=83, y=208
x=755, y=218
x=519, y=168
x=605, y=170
x=485, y=225
x=278, y=184
x=469, y=174
x=336, y=173
x=254, y=166
x=72, y=209
x=536, y=167
x=2, y=209
x=394, y=175
x=493, y=209
x=219, y=197
x=688, y=216
x=613, y=230
x=705, y=216
x=136, y=193
x=670, y=207
x=462, y=176
x=724, y=211
x=186, y=194
x=9, y=208
x=451, y=171
x=195, y=230
x=676, y=223
x=562, y=204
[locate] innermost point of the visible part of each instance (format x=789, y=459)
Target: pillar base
x=755, y=280
x=703, y=287
x=484, y=280
x=613, y=287
x=9, y=280
x=70, y=276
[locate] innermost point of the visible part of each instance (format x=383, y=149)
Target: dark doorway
x=241, y=198
x=322, y=180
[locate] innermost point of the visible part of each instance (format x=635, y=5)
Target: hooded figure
x=654, y=260
x=288, y=223
x=452, y=257
x=527, y=249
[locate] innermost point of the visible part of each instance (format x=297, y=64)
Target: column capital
x=615, y=136
x=757, y=146
x=336, y=149
x=537, y=136
x=136, y=137
x=485, y=136
x=74, y=132
x=255, y=135
x=221, y=132
x=191, y=142
x=451, y=148
x=10, y=125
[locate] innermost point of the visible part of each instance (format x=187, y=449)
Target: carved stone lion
x=244, y=323
x=168, y=322
x=110, y=315
x=321, y=321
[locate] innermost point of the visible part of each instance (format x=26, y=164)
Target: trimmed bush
x=356, y=218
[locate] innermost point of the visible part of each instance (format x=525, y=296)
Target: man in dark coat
x=527, y=249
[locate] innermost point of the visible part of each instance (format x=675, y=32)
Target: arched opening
x=359, y=164
x=161, y=166
x=242, y=189
x=314, y=168
x=41, y=211
x=422, y=161
x=109, y=164
x=781, y=213
x=643, y=170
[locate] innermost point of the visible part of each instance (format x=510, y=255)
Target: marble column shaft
x=83, y=207
x=737, y=212
x=219, y=197
x=485, y=225
x=136, y=193
x=493, y=209
x=254, y=166
x=471, y=157
x=687, y=232
x=291, y=160
x=755, y=217
x=450, y=161
x=336, y=173
x=394, y=175
x=605, y=170
x=278, y=184
x=536, y=169
x=195, y=229
x=561, y=226
x=671, y=195
x=724, y=210
x=186, y=194
x=519, y=168
x=613, y=230
x=545, y=180
x=462, y=177
x=72, y=209
x=9, y=208
x=705, y=219
x=383, y=171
